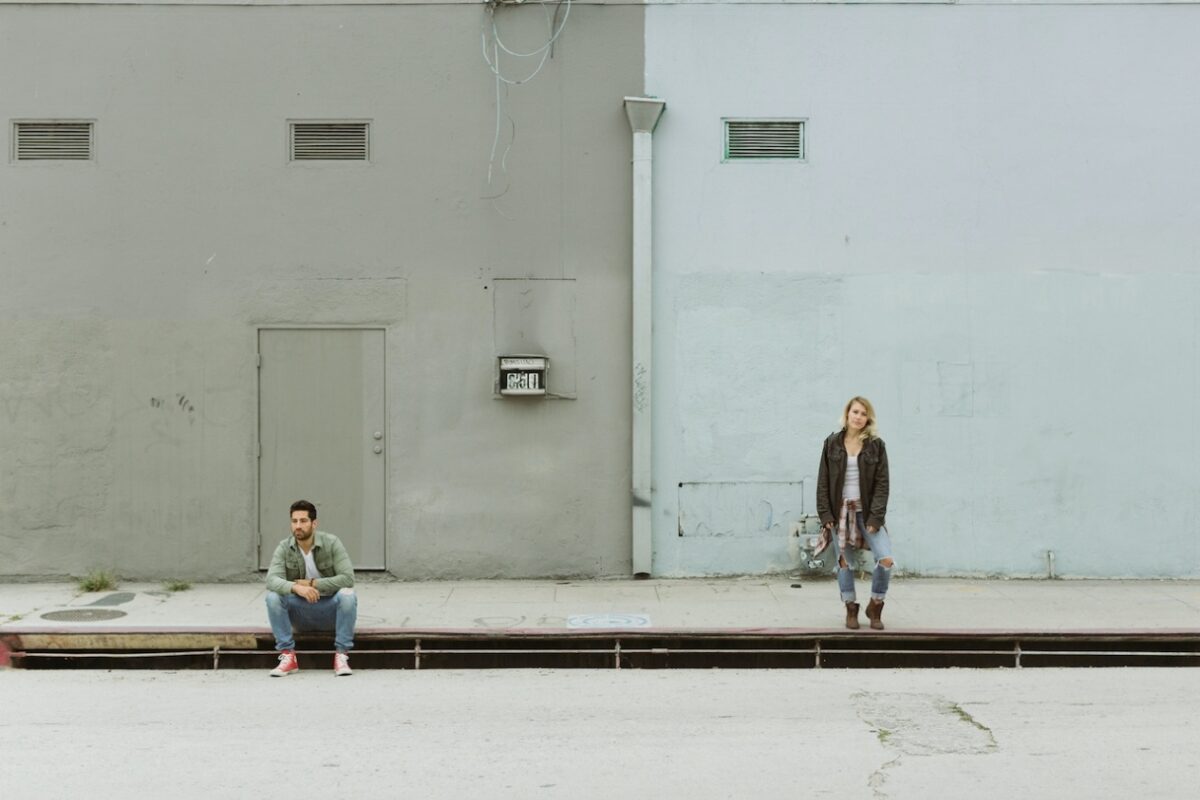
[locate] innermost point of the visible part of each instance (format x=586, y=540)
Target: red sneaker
x=341, y=664
x=287, y=664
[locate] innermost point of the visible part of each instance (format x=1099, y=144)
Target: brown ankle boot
x=852, y=616
x=875, y=614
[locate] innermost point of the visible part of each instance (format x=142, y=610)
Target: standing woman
x=852, y=494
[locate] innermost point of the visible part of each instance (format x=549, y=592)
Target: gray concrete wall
x=994, y=237
x=133, y=286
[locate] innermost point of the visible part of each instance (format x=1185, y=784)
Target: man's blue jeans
x=336, y=613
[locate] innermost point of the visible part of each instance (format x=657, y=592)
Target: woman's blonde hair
x=870, y=431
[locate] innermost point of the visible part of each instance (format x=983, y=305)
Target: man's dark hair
x=304, y=505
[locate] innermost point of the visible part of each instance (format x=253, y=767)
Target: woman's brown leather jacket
x=872, y=480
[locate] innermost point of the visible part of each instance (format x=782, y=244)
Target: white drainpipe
x=643, y=115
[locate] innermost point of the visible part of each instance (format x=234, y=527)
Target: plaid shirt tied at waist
x=848, y=532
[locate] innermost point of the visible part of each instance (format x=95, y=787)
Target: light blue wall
x=995, y=238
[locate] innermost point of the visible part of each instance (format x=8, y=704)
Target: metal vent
x=755, y=139
x=329, y=141
x=52, y=140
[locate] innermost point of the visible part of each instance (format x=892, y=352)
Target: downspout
x=643, y=113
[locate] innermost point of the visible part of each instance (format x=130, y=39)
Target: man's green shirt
x=330, y=556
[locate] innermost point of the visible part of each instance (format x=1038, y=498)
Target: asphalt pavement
x=581, y=734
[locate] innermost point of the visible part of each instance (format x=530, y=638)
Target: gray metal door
x=322, y=436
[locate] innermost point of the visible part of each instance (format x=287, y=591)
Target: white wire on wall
x=492, y=46
x=493, y=30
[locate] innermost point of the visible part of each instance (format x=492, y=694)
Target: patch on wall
x=537, y=317
x=740, y=509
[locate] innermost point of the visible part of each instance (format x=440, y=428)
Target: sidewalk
x=727, y=606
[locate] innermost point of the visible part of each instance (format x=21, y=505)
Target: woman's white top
x=851, y=490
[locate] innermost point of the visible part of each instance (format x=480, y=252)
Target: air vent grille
x=756, y=139
x=329, y=141
x=52, y=140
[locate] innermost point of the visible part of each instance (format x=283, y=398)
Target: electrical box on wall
x=523, y=375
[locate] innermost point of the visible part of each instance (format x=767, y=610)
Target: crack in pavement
x=877, y=778
x=920, y=725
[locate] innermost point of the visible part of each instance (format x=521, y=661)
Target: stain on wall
x=762, y=508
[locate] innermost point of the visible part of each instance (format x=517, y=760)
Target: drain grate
x=84, y=615
x=650, y=650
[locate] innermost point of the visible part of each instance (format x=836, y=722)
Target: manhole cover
x=84, y=615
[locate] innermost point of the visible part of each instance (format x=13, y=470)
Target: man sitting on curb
x=310, y=586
